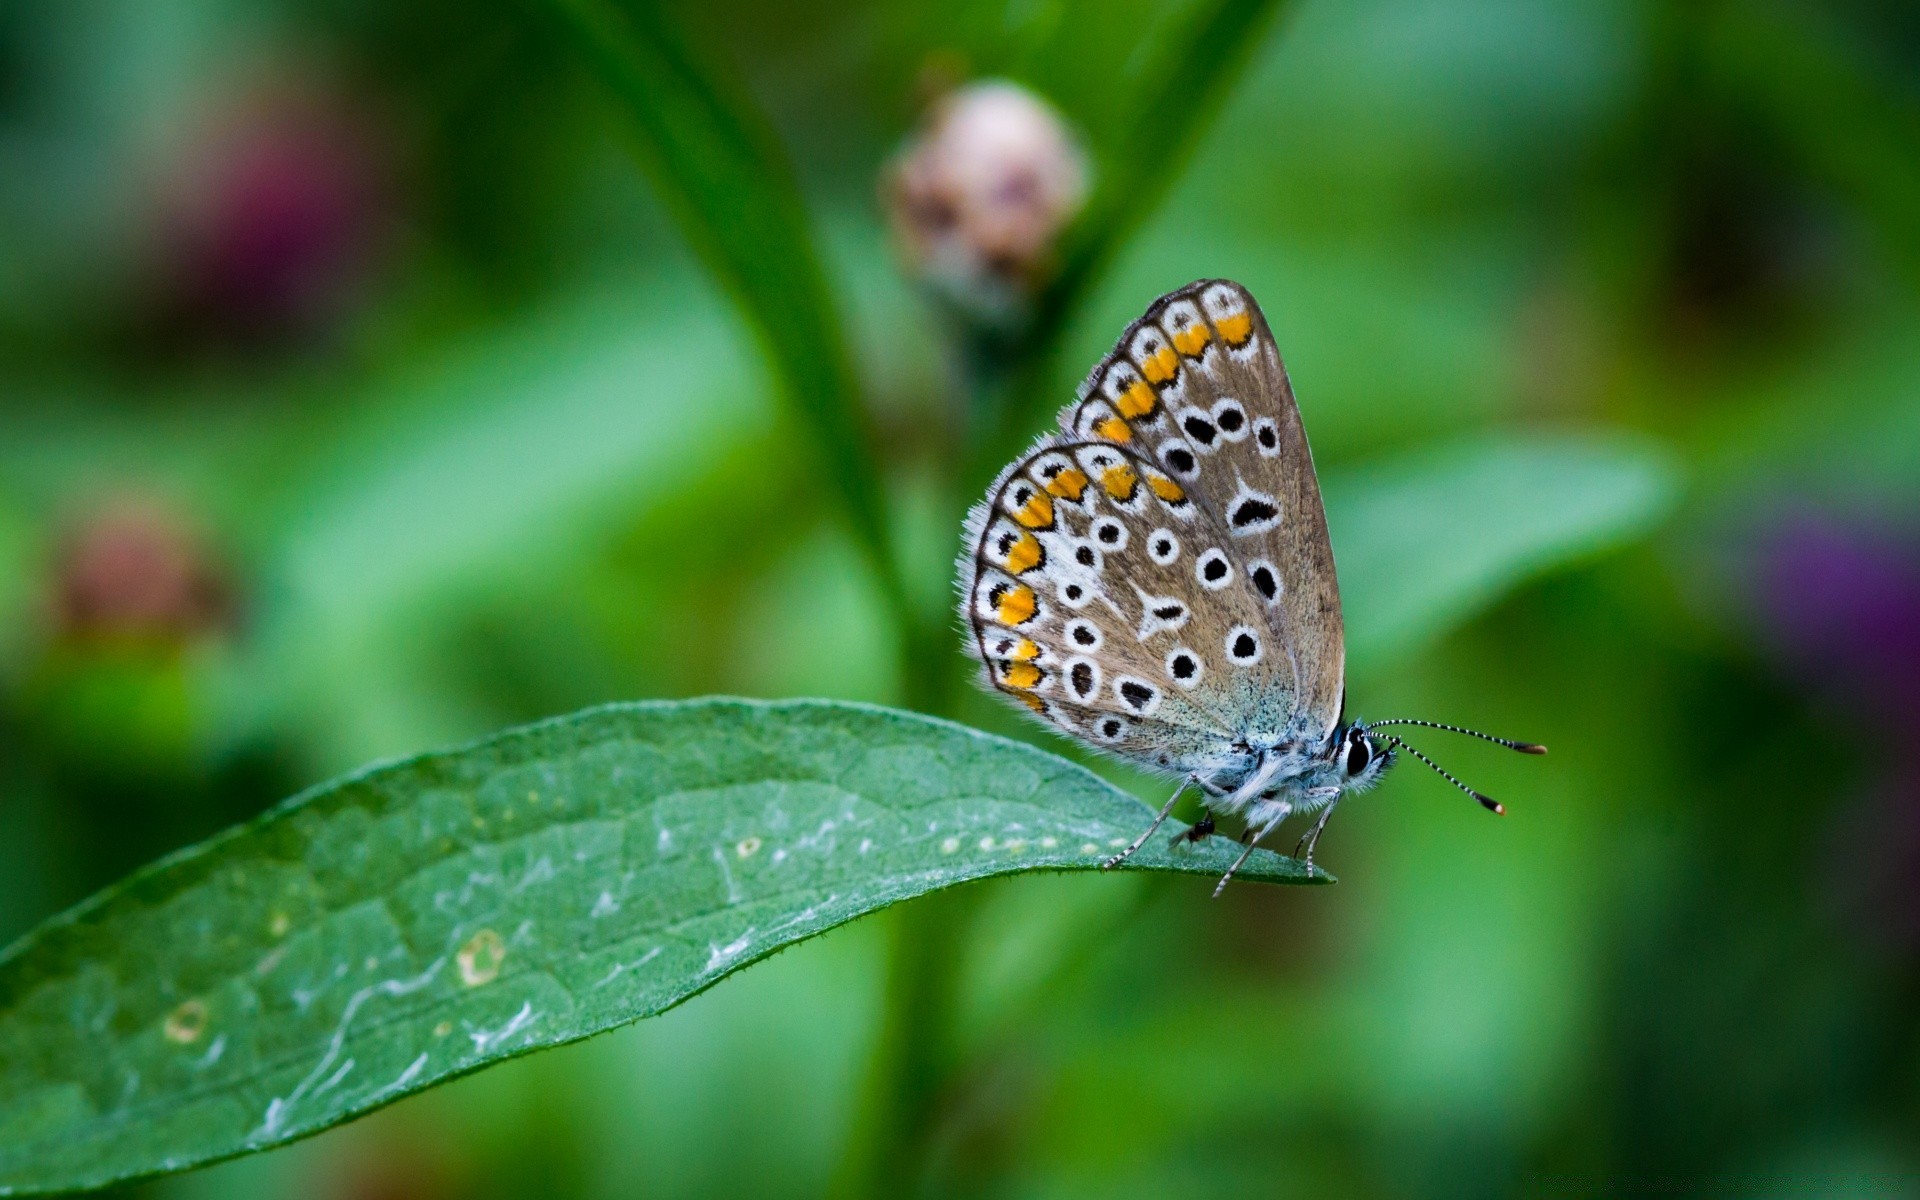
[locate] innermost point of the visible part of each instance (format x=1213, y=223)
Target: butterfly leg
x=1140, y=841
x=1312, y=837
x=1252, y=839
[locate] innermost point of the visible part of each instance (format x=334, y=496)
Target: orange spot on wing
x=1166, y=489
x=1032, y=701
x=1236, y=329
x=1137, y=401
x=1120, y=481
x=1016, y=606
x=1025, y=555
x=1023, y=675
x=1161, y=366
x=1026, y=651
x=1036, y=513
x=1069, y=483
x=1191, y=340
x=1114, y=430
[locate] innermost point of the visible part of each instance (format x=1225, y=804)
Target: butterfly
x=1156, y=579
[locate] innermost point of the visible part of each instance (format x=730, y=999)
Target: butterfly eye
x=1359, y=753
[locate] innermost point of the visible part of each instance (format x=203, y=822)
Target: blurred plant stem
x=915, y=1062
x=719, y=168
x=913, y=1054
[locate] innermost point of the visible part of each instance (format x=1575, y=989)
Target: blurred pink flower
x=131, y=570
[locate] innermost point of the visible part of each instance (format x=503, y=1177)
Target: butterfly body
x=1156, y=579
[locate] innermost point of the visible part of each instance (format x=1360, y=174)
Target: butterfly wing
x=1078, y=605
x=1197, y=386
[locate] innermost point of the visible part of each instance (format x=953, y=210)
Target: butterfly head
x=1361, y=759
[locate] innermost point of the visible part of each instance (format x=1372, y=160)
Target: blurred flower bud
x=131, y=572
x=979, y=196
x=274, y=216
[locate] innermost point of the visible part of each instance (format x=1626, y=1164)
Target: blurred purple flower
x=276, y=216
x=1840, y=602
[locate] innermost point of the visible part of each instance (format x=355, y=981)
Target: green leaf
x=719, y=168
x=425, y=918
x=1424, y=540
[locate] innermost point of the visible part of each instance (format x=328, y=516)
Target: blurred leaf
x=501, y=447
x=1424, y=540
x=422, y=919
x=503, y=459
x=721, y=171
x=17, y=577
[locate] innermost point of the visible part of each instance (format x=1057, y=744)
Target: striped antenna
x=1487, y=802
x=1522, y=747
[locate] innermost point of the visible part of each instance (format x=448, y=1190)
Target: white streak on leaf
x=213, y=1053
x=410, y=1074
x=486, y=1039
x=620, y=969
x=540, y=872
x=718, y=956
x=726, y=875
x=334, y=1078
x=278, y=1108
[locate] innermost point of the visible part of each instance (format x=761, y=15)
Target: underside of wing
x=1196, y=385
x=1073, y=591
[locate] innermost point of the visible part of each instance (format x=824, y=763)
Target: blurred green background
x=359, y=394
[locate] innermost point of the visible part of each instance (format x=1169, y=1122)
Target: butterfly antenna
x=1487, y=802
x=1522, y=747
